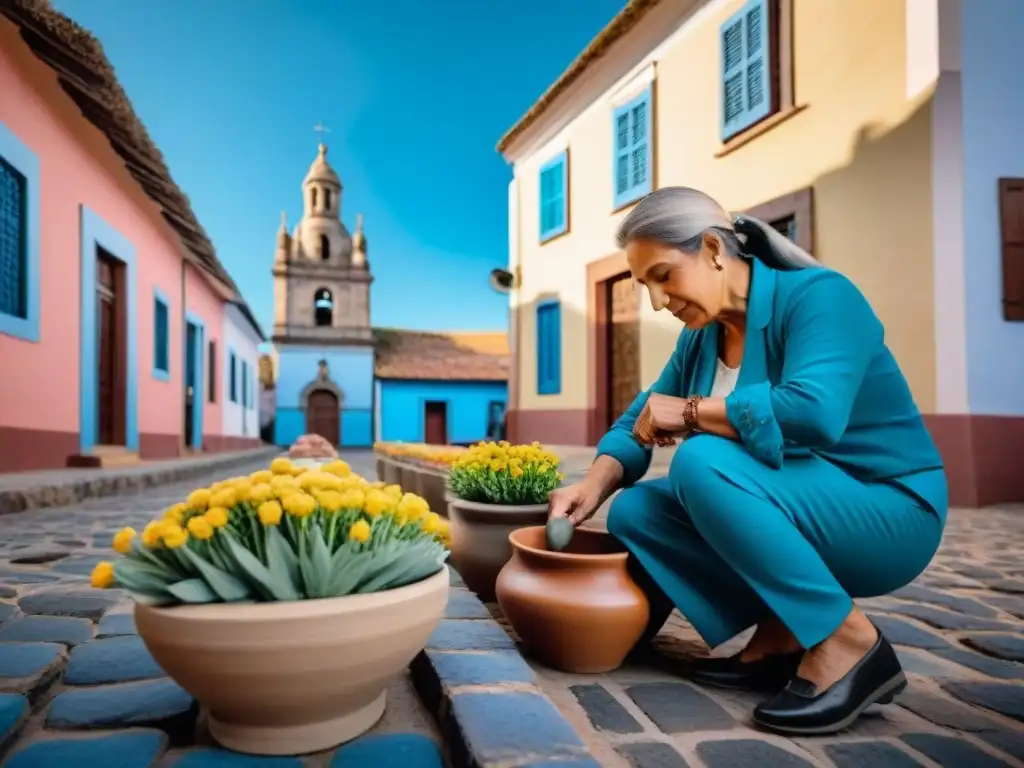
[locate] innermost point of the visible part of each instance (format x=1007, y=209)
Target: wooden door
x=435, y=423
x=192, y=398
x=323, y=417
x=108, y=338
x=623, y=345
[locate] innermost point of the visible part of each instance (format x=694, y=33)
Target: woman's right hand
x=578, y=502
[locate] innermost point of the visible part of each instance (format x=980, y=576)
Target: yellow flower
x=200, y=527
x=412, y=507
x=394, y=491
x=516, y=471
x=216, y=516
x=353, y=498
x=263, y=476
x=377, y=502
x=226, y=497
x=544, y=467
x=176, y=513
x=199, y=499
x=281, y=466
x=243, y=490
x=102, y=575
x=269, y=513
x=339, y=468
x=153, y=533
x=360, y=531
x=174, y=536
x=123, y=540
x=260, y=492
x=299, y=504
x=331, y=501
x=432, y=523
x=283, y=481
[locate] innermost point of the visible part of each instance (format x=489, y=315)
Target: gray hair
x=679, y=217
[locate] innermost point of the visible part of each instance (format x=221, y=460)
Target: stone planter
x=407, y=472
x=480, y=543
x=432, y=485
x=576, y=610
x=381, y=460
x=297, y=677
x=391, y=474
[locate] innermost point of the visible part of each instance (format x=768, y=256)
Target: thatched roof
x=84, y=72
x=615, y=30
x=427, y=355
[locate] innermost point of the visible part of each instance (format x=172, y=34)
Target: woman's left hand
x=660, y=420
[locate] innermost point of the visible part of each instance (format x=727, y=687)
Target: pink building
x=112, y=300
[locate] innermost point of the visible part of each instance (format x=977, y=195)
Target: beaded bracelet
x=690, y=412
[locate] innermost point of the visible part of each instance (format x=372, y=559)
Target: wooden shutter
x=549, y=348
x=553, y=185
x=746, y=67
x=632, y=158
x=1011, y=217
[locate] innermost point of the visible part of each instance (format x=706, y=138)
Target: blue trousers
x=730, y=542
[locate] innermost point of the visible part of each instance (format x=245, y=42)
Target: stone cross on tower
x=321, y=130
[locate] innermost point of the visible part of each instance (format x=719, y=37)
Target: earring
x=718, y=264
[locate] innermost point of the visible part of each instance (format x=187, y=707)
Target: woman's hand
x=578, y=502
x=660, y=420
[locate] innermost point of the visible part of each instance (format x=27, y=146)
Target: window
x=325, y=248
x=232, y=378
x=785, y=226
x=211, y=384
x=792, y=215
x=1011, y=217
x=312, y=198
x=632, y=140
x=19, y=238
x=549, y=348
x=161, y=338
x=756, y=64
x=554, y=188
x=245, y=384
x=327, y=200
x=323, y=307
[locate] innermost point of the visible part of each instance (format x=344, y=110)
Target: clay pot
x=431, y=484
x=480, y=539
x=296, y=677
x=576, y=610
x=391, y=474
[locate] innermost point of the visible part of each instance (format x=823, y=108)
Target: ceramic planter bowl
x=480, y=539
x=431, y=484
x=576, y=610
x=297, y=677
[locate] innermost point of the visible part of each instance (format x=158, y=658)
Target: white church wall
x=240, y=409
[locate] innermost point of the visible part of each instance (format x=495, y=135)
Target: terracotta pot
x=391, y=474
x=431, y=484
x=297, y=677
x=576, y=610
x=480, y=543
x=407, y=476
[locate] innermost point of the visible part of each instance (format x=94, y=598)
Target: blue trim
x=549, y=347
x=637, y=136
x=25, y=162
x=96, y=233
x=161, y=374
x=199, y=387
x=232, y=375
x=245, y=384
x=553, y=183
x=740, y=62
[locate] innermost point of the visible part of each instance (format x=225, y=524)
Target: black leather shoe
x=800, y=710
x=769, y=674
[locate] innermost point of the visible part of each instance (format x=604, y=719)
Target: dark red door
x=106, y=349
x=323, y=417
x=435, y=423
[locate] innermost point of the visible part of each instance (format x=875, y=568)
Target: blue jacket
x=816, y=378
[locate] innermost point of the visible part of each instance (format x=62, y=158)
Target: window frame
x=800, y=206
x=1011, y=253
x=562, y=227
x=549, y=382
x=25, y=162
x=161, y=373
x=232, y=376
x=633, y=192
x=211, y=383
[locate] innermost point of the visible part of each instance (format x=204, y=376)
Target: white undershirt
x=725, y=379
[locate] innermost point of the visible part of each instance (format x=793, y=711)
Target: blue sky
x=416, y=95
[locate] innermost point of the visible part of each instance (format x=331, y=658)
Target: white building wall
x=240, y=339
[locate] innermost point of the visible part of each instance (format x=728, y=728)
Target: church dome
x=321, y=172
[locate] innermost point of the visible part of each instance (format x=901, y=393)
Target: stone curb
x=484, y=695
x=106, y=482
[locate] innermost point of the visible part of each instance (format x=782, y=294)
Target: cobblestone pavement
x=77, y=686
x=959, y=631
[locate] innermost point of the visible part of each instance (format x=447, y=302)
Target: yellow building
x=875, y=133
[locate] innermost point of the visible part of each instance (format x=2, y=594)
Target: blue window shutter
x=233, y=383
x=549, y=348
x=746, y=72
x=161, y=339
x=633, y=143
x=553, y=197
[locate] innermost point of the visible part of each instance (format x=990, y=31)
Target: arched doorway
x=323, y=416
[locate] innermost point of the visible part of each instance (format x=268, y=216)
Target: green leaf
x=140, y=577
x=147, y=598
x=141, y=554
x=193, y=591
x=316, y=564
x=258, y=573
x=227, y=587
x=282, y=562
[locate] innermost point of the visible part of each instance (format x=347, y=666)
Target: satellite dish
x=501, y=280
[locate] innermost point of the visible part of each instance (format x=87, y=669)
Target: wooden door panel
x=623, y=345
x=323, y=417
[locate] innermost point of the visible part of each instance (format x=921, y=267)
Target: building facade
x=879, y=135
x=235, y=369
x=110, y=295
x=336, y=375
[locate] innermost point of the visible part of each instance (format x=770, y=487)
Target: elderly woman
x=804, y=476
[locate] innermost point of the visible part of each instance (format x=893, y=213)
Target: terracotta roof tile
x=427, y=355
x=87, y=76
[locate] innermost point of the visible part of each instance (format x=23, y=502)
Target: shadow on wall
x=871, y=220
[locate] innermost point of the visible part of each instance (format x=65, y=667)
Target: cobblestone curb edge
x=113, y=481
x=485, y=697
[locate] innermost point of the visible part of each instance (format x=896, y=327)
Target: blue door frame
x=194, y=374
